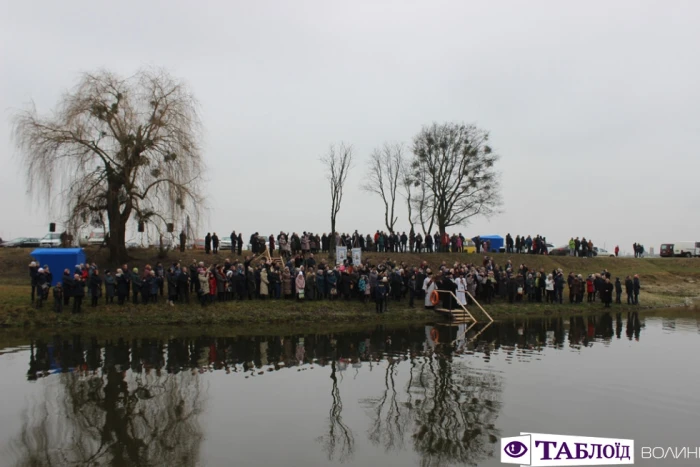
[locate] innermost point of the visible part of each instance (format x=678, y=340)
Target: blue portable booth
x=58, y=259
x=497, y=242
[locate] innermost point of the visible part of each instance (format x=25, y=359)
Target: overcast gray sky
x=593, y=106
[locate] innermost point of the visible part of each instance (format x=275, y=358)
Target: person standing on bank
x=608, y=288
x=58, y=298
x=136, y=284
x=207, y=243
x=78, y=292
x=636, y=287
x=215, y=243
x=95, y=287
x=33, y=272
x=234, y=239
x=618, y=290
x=300, y=283
x=240, y=244
x=380, y=295
x=629, y=288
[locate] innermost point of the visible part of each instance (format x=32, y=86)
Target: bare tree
x=423, y=201
x=455, y=166
x=407, y=185
x=383, y=178
x=338, y=163
x=127, y=147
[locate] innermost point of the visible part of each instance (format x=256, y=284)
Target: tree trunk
x=117, y=226
x=331, y=243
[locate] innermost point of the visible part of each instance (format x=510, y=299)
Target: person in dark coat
x=240, y=244
x=33, y=272
x=381, y=294
x=136, y=284
x=68, y=283
x=636, y=287
x=234, y=240
x=78, y=293
x=207, y=243
x=95, y=283
x=42, y=287
x=183, y=286
x=110, y=287
x=629, y=288
x=194, y=280
x=251, y=281
x=58, y=298
x=446, y=285
x=220, y=284
x=146, y=285
x=239, y=282
x=618, y=290
x=608, y=288
x=215, y=243
x=122, y=286
x=172, y=286
x=160, y=276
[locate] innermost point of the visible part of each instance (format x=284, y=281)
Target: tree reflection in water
x=340, y=440
x=137, y=403
x=112, y=417
x=450, y=410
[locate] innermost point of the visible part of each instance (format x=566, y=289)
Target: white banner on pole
x=341, y=254
x=357, y=256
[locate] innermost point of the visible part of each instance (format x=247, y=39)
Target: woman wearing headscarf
x=122, y=286
x=286, y=283
x=300, y=283
x=203, y=279
x=264, y=284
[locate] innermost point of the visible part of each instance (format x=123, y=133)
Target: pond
x=426, y=395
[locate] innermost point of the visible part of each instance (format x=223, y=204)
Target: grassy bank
x=665, y=283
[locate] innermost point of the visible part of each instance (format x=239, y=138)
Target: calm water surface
x=380, y=396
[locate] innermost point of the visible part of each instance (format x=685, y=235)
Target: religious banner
x=341, y=254
x=357, y=256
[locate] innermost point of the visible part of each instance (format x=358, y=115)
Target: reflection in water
x=94, y=415
x=339, y=442
x=138, y=402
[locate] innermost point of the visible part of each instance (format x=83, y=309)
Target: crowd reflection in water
x=136, y=402
x=269, y=353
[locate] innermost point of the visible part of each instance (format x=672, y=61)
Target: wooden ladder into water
x=462, y=315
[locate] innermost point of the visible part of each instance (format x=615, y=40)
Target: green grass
x=665, y=283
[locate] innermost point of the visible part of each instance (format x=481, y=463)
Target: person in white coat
x=461, y=283
x=428, y=286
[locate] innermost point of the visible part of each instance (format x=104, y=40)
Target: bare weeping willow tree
x=120, y=148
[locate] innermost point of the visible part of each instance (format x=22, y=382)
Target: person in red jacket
x=617, y=250
x=212, y=286
x=590, y=288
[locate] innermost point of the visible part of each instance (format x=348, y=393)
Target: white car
x=225, y=243
x=51, y=240
x=602, y=252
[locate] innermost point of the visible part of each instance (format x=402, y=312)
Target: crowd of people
x=300, y=276
x=381, y=242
